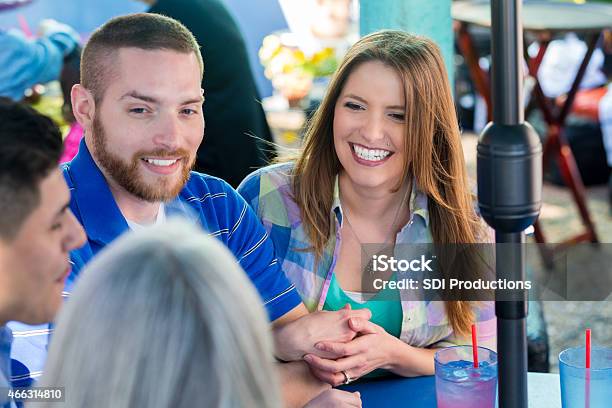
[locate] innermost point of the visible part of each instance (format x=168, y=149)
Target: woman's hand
x=298, y=338
x=371, y=349
x=335, y=399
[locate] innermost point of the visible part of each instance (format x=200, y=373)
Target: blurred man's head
x=37, y=229
x=140, y=103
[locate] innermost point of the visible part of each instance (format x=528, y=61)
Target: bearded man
x=139, y=102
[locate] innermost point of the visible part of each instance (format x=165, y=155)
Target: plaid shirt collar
x=418, y=202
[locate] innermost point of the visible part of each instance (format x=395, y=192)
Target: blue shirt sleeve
x=25, y=62
x=249, y=242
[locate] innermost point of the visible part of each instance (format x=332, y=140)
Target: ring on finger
x=347, y=378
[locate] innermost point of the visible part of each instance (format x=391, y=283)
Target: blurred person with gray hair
x=163, y=317
x=166, y=317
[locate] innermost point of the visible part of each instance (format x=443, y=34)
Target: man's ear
x=83, y=106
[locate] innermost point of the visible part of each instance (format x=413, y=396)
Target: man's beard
x=126, y=174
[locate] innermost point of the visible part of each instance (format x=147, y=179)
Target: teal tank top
x=386, y=308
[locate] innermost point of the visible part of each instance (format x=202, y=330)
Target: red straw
x=588, y=348
x=587, y=378
x=24, y=26
x=475, y=346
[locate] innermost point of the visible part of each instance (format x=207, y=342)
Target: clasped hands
x=338, y=345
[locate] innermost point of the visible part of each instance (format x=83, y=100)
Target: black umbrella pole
x=511, y=327
x=509, y=168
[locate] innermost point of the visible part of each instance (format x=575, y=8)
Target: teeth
x=163, y=163
x=370, y=154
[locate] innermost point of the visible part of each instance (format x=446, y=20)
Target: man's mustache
x=161, y=153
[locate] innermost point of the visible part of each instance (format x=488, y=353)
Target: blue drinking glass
x=586, y=388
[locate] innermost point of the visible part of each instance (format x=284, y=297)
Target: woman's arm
x=409, y=361
x=373, y=348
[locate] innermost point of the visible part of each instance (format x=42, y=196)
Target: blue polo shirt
x=205, y=199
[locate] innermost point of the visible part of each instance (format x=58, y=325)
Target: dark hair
x=142, y=30
x=30, y=147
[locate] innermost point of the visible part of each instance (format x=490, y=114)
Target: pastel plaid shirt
x=424, y=323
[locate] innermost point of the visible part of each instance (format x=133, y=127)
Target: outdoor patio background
x=567, y=320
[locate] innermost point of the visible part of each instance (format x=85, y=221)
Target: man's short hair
x=30, y=148
x=142, y=30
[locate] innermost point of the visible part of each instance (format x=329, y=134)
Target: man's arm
x=298, y=385
x=25, y=62
x=291, y=316
x=296, y=330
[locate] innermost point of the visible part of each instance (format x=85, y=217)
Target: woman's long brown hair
x=433, y=151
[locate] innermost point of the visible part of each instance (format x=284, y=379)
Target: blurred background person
x=26, y=60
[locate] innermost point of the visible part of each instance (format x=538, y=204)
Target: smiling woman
x=382, y=163
x=369, y=128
